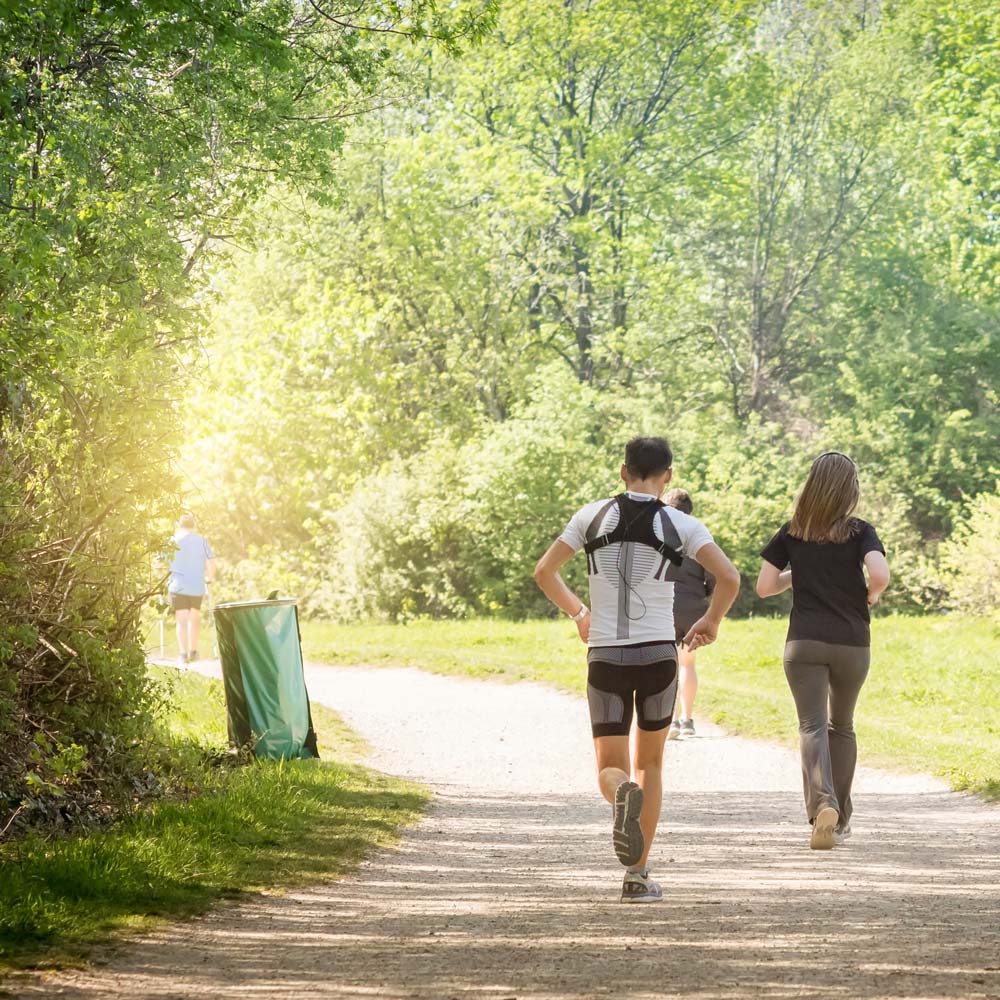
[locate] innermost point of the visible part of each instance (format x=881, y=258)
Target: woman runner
x=822, y=554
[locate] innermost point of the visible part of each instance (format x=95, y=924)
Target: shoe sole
x=822, y=838
x=626, y=833
x=643, y=899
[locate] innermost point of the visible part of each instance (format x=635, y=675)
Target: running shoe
x=638, y=887
x=841, y=833
x=674, y=731
x=687, y=728
x=823, y=831
x=626, y=833
x=193, y=656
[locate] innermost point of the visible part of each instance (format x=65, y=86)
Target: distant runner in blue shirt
x=191, y=570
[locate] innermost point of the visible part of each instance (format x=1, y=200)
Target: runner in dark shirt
x=693, y=585
x=823, y=554
x=830, y=596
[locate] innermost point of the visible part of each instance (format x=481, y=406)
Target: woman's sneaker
x=638, y=887
x=687, y=728
x=674, y=731
x=823, y=838
x=626, y=834
x=841, y=833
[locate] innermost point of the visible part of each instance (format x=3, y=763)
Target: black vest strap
x=591, y=534
x=634, y=525
x=672, y=539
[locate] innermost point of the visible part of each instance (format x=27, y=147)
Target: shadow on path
x=506, y=896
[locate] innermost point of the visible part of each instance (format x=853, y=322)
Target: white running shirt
x=626, y=604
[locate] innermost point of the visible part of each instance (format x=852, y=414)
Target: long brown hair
x=824, y=506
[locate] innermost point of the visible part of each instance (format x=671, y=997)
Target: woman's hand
x=583, y=627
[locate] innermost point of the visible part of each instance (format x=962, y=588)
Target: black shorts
x=614, y=691
x=184, y=602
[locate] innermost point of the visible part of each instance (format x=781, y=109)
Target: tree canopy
x=137, y=139
x=751, y=227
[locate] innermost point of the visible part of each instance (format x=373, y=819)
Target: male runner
x=632, y=658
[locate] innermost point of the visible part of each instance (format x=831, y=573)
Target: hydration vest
x=635, y=524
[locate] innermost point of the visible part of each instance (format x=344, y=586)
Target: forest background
x=379, y=292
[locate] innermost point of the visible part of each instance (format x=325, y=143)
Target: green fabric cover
x=263, y=678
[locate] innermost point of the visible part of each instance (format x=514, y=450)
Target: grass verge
x=931, y=703
x=261, y=826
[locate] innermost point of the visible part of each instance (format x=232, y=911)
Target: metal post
x=211, y=622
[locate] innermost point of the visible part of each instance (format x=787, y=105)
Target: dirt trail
x=508, y=887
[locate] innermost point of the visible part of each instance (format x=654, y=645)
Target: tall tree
x=798, y=194
x=602, y=110
x=133, y=137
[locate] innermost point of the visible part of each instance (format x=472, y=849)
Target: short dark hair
x=647, y=456
x=680, y=499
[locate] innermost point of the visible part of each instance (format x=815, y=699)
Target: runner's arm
x=554, y=587
x=727, y=586
x=878, y=575
x=772, y=581
x=210, y=571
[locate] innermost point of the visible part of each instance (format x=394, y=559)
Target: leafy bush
x=76, y=707
x=134, y=137
x=971, y=558
x=459, y=530
x=456, y=529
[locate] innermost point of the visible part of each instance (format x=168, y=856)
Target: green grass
x=931, y=704
x=198, y=716
x=264, y=825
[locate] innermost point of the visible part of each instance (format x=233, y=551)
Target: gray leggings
x=826, y=680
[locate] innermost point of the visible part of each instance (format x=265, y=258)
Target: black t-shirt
x=829, y=592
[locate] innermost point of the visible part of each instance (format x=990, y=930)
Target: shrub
x=76, y=707
x=970, y=559
x=458, y=530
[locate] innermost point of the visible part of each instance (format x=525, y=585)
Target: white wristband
x=579, y=614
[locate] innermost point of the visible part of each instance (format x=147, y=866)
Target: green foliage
x=599, y=139
x=971, y=559
x=134, y=139
x=960, y=102
x=785, y=206
x=457, y=529
x=730, y=231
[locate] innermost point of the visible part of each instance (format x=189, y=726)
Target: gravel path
x=508, y=887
